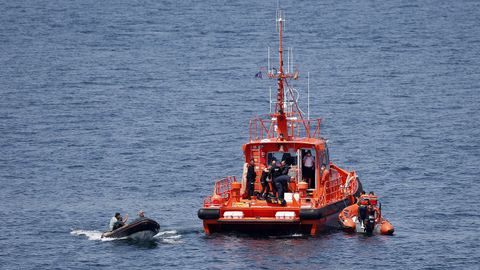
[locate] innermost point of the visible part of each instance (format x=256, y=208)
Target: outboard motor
x=370, y=223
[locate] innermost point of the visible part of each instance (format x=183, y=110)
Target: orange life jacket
x=364, y=200
x=373, y=200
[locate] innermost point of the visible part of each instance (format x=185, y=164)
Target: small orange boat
x=374, y=223
x=308, y=197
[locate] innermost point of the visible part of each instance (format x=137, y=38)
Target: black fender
x=310, y=214
x=208, y=213
x=359, y=188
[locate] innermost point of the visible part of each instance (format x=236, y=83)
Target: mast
x=286, y=106
x=282, y=129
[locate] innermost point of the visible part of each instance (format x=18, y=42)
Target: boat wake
x=168, y=237
x=92, y=235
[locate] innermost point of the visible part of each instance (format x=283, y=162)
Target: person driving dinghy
x=117, y=221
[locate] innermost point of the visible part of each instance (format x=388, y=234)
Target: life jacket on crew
x=373, y=199
x=364, y=200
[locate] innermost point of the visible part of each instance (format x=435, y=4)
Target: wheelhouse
x=295, y=155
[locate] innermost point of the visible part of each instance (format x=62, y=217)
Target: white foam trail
x=172, y=241
x=91, y=235
x=174, y=237
x=169, y=237
x=165, y=232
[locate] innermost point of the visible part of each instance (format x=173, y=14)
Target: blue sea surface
x=110, y=106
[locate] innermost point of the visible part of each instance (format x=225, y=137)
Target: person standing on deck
x=308, y=168
x=285, y=168
x=264, y=181
x=251, y=175
x=275, y=172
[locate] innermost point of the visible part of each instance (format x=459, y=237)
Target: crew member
x=363, y=203
x=372, y=198
x=281, y=183
x=308, y=168
x=285, y=168
x=251, y=175
x=275, y=172
x=264, y=181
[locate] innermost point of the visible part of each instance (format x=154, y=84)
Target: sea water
x=116, y=106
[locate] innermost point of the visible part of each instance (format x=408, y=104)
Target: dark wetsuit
x=362, y=208
x=264, y=182
x=251, y=175
x=276, y=171
x=281, y=183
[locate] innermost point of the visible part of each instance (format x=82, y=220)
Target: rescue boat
x=374, y=222
x=312, y=202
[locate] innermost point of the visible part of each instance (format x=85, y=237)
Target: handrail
x=332, y=188
x=223, y=186
x=266, y=128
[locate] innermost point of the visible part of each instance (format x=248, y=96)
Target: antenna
x=288, y=60
x=308, y=95
x=291, y=60
x=270, y=99
x=268, y=68
x=280, y=19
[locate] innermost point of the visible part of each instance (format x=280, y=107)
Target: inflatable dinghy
x=141, y=229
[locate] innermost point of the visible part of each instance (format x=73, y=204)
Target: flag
x=295, y=75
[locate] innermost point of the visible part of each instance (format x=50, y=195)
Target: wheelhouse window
x=289, y=157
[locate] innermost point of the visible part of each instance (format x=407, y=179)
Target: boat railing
x=332, y=188
x=223, y=186
x=260, y=128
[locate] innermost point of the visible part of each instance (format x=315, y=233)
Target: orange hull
x=261, y=217
x=302, y=213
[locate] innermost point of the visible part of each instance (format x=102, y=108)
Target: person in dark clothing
x=281, y=183
x=251, y=175
x=275, y=172
x=285, y=167
x=287, y=157
x=120, y=222
x=363, y=203
x=264, y=181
